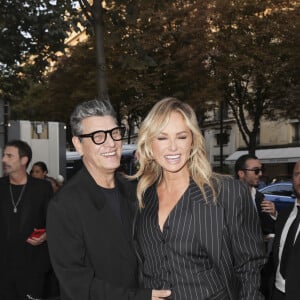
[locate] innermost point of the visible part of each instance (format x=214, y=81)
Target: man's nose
x=109, y=140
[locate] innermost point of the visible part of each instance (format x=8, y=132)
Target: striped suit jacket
x=206, y=250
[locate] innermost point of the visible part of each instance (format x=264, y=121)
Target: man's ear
x=24, y=160
x=241, y=174
x=77, y=144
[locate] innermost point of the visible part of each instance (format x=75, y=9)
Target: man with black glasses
x=248, y=169
x=89, y=222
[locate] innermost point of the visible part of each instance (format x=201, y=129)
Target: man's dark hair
x=23, y=148
x=241, y=162
x=42, y=165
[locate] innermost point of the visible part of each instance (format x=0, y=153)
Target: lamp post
x=102, y=89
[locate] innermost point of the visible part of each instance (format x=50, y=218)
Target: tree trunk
x=252, y=143
x=101, y=80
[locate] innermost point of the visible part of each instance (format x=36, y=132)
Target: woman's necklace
x=15, y=205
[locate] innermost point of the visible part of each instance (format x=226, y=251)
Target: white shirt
x=253, y=193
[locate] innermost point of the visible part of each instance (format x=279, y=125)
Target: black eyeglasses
x=99, y=136
x=256, y=171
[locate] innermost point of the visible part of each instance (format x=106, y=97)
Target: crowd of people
x=174, y=230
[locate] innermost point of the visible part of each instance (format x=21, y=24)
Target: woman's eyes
x=162, y=138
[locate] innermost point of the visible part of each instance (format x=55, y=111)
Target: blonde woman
x=197, y=233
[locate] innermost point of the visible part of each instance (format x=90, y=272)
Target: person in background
x=39, y=170
x=89, y=221
x=24, y=259
x=286, y=248
x=248, y=169
x=197, y=232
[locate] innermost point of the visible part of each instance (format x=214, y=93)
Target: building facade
x=278, y=144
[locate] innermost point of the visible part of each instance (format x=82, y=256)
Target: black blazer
x=33, y=209
x=91, y=252
x=292, y=283
x=228, y=232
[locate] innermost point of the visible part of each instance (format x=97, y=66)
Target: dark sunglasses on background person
x=99, y=137
x=256, y=171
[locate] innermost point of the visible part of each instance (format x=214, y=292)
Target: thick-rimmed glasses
x=99, y=137
x=256, y=171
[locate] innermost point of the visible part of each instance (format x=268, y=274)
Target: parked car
x=281, y=193
x=128, y=163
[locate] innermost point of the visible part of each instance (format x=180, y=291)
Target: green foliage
x=31, y=34
x=253, y=58
x=241, y=52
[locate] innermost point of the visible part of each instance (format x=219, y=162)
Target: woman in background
x=197, y=232
x=39, y=170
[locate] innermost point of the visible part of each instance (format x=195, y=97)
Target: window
x=296, y=132
x=222, y=138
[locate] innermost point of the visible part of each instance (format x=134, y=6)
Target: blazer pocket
x=214, y=286
x=220, y=295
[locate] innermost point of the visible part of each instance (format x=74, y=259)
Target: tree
x=242, y=53
x=252, y=49
x=150, y=53
x=160, y=51
x=72, y=82
x=32, y=32
x=94, y=14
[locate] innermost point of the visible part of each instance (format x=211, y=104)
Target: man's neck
x=18, y=178
x=106, y=180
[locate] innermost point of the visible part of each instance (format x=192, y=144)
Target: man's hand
x=269, y=207
x=160, y=294
x=35, y=241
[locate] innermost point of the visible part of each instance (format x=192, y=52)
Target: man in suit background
x=24, y=261
x=286, y=248
x=90, y=219
x=248, y=169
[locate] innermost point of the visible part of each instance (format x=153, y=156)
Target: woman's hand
x=160, y=294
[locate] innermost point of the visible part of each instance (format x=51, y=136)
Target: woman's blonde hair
x=149, y=171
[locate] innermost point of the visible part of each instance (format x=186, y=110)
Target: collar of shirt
x=253, y=193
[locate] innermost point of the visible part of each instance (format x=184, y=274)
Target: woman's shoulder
x=225, y=181
x=229, y=189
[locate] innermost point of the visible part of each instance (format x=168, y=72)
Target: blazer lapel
x=120, y=232
x=209, y=221
x=279, y=225
x=128, y=196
